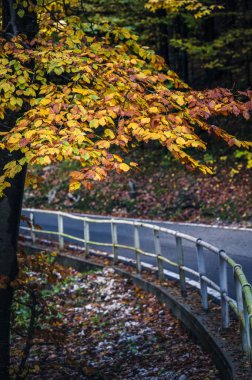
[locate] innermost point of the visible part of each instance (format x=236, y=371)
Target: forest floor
x=107, y=328
x=162, y=189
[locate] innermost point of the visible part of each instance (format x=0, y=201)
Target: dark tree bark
x=13, y=24
x=5, y=306
x=11, y=203
x=10, y=210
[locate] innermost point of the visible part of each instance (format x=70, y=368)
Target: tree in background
x=208, y=43
x=75, y=89
x=217, y=45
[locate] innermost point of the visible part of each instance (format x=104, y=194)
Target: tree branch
x=12, y=20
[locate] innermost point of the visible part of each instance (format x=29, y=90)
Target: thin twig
x=28, y=343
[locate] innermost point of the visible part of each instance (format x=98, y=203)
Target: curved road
x=236, y=242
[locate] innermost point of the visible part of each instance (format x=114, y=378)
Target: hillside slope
x=161, y=189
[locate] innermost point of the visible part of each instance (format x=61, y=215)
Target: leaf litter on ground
x=111, y=330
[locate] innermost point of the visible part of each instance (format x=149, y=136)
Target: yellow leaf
x=46, y=160
x=10, y=165
x=169, y=134
x=6, y=87
x=133, y=164
x=94, y=123
x=102, y=121
x=103, y=144
x=21, y=79
x=38, y=123
x=5, y=61
x=14, y=138
x=19, y=102
x=118, y=158
x=45, y=101
x=72, y=123
x=74, y=185
x=153, y=110
x=145, y=120
x=217, y=107
x=133, y=125
x=30, y=133
x=58, y=70
x=179, y=99
x=174, y=147
x=109, y=133
x=180, y=141
x=13, y=101
x=124, y=167
x=81, y=91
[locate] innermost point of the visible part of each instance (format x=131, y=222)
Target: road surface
x=236, y=242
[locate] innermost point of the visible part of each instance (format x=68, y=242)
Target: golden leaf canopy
x=80, y=89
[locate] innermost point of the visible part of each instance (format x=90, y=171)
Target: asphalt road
x=236, y=242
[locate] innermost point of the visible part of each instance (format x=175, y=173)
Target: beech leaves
x=82, y=89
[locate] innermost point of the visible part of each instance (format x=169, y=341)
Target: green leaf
x=21, y=13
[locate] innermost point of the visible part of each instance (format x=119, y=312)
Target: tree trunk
x=10, y=210
x=11, y=203
x=5, y=306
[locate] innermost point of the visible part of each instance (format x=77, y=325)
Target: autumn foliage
x=196, y=7
x=79, y=89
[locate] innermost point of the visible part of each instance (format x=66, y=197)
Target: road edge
x=196, y=324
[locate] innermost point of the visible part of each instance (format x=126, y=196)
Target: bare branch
x=12, y=20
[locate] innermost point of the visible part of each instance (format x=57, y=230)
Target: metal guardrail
x=242, y=306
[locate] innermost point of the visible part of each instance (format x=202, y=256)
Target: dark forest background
x=211, y=51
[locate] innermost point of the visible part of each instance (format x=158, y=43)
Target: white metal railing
x=242, y=305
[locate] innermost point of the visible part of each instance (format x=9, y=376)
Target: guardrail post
x=202, y=272
x=86, y=238
x=137, y=247
x=33, y=235
x=158, y=253
x=180, y=256
x=223, y=291
x=248, y=333
x=114, y=241
x=250, y=341
x=240, y=308
x=60, y=231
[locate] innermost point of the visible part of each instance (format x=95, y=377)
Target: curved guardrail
x=242, y=305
